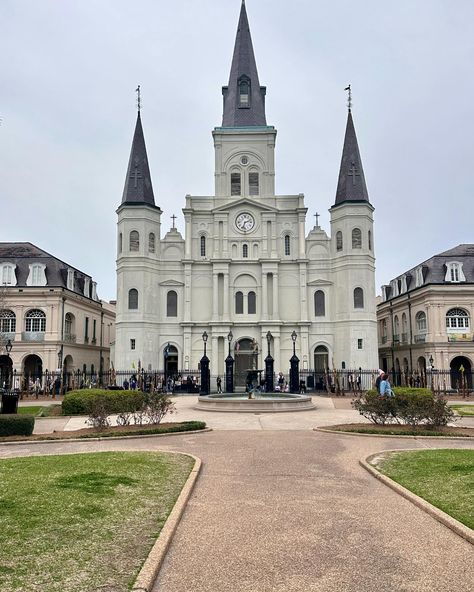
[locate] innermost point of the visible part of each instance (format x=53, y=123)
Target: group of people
x=382, y=384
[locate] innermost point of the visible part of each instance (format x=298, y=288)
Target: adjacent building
x=50, y=312
x=245, y=270
x=425, y=317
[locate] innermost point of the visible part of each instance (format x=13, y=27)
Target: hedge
x=81, y=401
x=16, y=425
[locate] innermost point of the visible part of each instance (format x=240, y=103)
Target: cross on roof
x=173, y=217
x=136, y=175
x=353, y=173
x=139, y=104
x=317, y=219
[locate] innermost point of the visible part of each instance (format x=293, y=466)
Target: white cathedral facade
x=245, y=268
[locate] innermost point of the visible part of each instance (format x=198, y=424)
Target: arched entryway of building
x=321, y=367
x=32, y=370
x=6, y=371
x=397, y=378
x=460, y=369
x=170, y=361
x=246, y=359
x=69, y=379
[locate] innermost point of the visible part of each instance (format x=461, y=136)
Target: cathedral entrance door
x=171, y=361
x=246, y=359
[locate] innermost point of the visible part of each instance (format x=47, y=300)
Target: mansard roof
x=243, y=69
x=22, y=255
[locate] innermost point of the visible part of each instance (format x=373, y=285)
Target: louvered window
x=239, y=303
x=151, y=242
x=253, y=184
x=358, y=298
x=252, y=303
x=338, y=240
x=356, y=238
x=319, y=304
x=134, y=241
x=235, y=185
x=133, y=299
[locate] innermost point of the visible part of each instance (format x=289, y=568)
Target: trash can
x=10, y=403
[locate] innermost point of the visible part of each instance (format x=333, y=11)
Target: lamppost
x=431, y=361
x=294, y=367
x=8, y=348
x=9, y=398
x=205, y=378
x=269, y=385
x=229, y=367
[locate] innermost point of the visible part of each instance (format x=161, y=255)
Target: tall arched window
x=420, y=320
x=457, y=318
x=396, y=328
x=35, y=321
x=244, y=92
x=7, y=321
x=245, y=251
x=287, y=244
x=172, y=304
x=134, y=241
x=356, y=238
x=321, y=359
x=203, y=246
x=253, y=183
x=319, y=304
x=120, y=243
x=404, y=327
x=151, y=242
x=68, y=322
x=252, y=303
x=358, y=298
x=133, y=299
x=370, y=240
x=235, y=184
x=339, y=241
x=239, y=303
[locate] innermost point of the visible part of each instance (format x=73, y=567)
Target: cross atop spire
x=244, y=98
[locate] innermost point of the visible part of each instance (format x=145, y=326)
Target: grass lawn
x=83, y=522
x=445, y=478
x=467, y=410
x=39, y=410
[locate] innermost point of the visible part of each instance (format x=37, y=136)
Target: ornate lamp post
x=8, y=348
x=205, y=378
x=229, y=367
x=294, y=367
x=269, y=383
x=9, y=399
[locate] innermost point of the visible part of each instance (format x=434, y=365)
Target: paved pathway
x=286, y=509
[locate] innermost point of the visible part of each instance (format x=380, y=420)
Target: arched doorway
x=246, y=359
x=461, y=370
x=321, y=366
x=32, y=370
x=6, y=370
x=170, y=357
x=68, y=378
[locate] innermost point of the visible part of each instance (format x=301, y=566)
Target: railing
x=69, y=338
x=32, y=336
x=404, y=337
x=396, y=339
x=420, y=338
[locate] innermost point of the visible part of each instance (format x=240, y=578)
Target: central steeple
x=244, y=98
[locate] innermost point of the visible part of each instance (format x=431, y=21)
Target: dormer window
x=418, y=277
x=394, y=288
x=7, y=274
x=454, y=272
x=70, y=279
x=403, y=284
x=36, y=275
x=244, y=92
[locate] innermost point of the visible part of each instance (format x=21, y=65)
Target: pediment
x=320, y=282
x=171, y=283
x=244, y=202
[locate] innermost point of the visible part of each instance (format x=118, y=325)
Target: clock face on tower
x=245, y=222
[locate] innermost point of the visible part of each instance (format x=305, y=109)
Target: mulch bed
x=389, y=429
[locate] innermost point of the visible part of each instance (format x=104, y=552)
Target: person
x=219, y=384
x=302, y=386
x=281, y=381
x=385, y=389
x=378, y=380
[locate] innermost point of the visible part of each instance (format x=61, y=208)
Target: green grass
x=38, y=410
x=445, y=478
x=83, y=522
x=467, y=410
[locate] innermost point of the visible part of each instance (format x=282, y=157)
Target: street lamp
x=229, y=367
x=269, y=338
x=293, y=338
x=230, y=336
x=294, y=367
x=205, y=378
x=8, y=347
x=269, y=384
x=431, y=361
x=204, y=338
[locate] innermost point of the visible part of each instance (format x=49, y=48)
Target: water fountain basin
x=259, y=403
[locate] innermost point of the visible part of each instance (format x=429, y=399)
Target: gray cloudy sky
x=67, y=79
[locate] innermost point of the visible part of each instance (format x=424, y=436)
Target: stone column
x=264, y=307
x=276, y=312
x=302, y=240
x=187, y=238
x=226, y=296
x=277, y=355
x=214, y=361
x=215, y=296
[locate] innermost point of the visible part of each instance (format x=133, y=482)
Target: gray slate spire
x=243, y=71
x=138, y=187
x=351, y=185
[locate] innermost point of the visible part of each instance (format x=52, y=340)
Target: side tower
x=352, y=248
x=138, y=251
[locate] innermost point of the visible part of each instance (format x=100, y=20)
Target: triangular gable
x=320, y=282
x=244, y=202
x=171, y=283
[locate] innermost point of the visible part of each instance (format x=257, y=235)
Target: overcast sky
x=67, y=103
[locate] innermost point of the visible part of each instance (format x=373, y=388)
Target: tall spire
x=351, y=186
x=244, y=98
x=138, y=187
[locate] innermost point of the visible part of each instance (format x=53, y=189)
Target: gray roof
x=24, y=254
x=434, y=268
x=138, y=188
x=243, y=64
x=351, y=185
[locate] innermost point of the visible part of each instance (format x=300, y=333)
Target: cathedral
x=245, y=277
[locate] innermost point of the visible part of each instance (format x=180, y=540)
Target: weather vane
x=349, y=97
x=139, y=104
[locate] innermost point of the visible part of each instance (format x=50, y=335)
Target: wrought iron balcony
x=404, y=337
x=396, y=339
x=420, y=338
x=69, y=338
x=32, y=336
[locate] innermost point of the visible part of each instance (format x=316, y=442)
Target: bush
x=81, y=402
x=16, y=425
x=410, y=406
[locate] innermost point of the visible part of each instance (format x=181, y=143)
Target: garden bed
x=402, y=430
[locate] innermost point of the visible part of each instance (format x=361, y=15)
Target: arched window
x=396, y=328
x=133, y=299
x=252, y=303
x=68, y=322
x=35, y=321
x=457, y=318
x=358, y=298
x=321, y=359
x=151, y=242
x=319, y=304
x=356, y=238
x=7, y=321
x=404, y=327
x=287, y=244
x=370, y=240
x=420, y=320
x=203, y=246
x=120, y=243
x=235, y=184
x=245, y=251
x=253, y=183
x=134, y=241
x=338, y=240
x=239, y=303
x=172, y=304
x=244, y=92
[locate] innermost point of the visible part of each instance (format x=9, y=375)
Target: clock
x=245, y=222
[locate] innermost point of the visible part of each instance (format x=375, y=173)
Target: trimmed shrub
x=16, y=425
x=410, y=406
x=82, y=402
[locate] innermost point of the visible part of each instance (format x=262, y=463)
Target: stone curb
x=149, y=572
x=460, y=529
x=98, y=439
x=341, y=433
